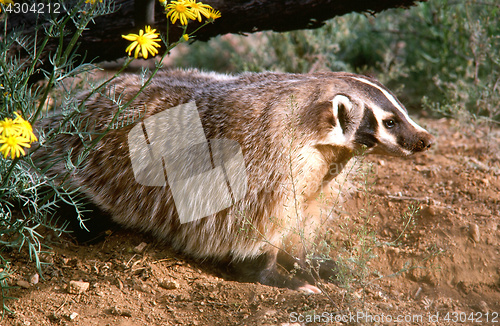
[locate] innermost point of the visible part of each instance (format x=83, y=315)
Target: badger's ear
x=342, y=107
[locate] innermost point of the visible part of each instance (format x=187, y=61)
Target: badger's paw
x=264, y=270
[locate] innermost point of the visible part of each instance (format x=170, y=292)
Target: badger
x=288, y=131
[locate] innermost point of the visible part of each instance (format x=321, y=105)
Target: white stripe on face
x=393, y=101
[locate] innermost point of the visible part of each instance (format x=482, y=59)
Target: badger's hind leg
x=311, y=270
x=264, y=269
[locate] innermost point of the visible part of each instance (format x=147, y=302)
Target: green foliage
x=28, y=198
x=354, y=255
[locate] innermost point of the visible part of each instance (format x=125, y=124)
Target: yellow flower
x=13, y=145
x=214, y=14
x=180, y=10
x=144, y=43
x=25, y=129
x=199, y=8
x=14, y=135
x=8, y=127
x=5, y=2
x=88, y=1
x=185, y=37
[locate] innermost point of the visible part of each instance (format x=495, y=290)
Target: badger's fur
x=287, y=125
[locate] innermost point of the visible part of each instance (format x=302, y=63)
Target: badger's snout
x=424, y=142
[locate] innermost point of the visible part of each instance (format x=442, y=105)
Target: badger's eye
x=389, y=123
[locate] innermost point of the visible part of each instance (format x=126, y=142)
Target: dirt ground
x=445, y=270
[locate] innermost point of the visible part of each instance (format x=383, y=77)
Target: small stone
x=418, y=293
x=34, y=279
x=429, y=210
x=474, y=232
x=23, y=284
x=140, y=248
x=385, y=306
x=483, y=307
x=73, y=315
x=78, y=287
x=378, y=296
x=120, y=312
x=270, y=312
x=169, y=285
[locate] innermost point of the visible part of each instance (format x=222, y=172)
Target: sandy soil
x=444, y=270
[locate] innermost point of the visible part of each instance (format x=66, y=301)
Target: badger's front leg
x=266, y=270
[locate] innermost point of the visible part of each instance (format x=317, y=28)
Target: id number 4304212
x=474, y=317
x=35, y=8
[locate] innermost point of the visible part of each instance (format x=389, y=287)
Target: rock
x=379, y=296
x=474, y=232
x=73, y=315
x=34, y=279
x=428, y=211
x=120, y=312
x=417, y=293
x=270, y=312
x=385, y=306
x=23, y=284
x=78, y=287
x=483, y=307
x=169, y=285
x=140, y=248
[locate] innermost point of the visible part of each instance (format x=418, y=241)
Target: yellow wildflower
x=144, y=43
x=8, y=128
x=214, y=14
x=14, y=135
x=25, y=129
x=14, y=145
x=185, y=37
x=180, y=10
x=5, y=3
x=199, y=8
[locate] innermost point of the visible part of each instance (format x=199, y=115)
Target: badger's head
x=366, y=114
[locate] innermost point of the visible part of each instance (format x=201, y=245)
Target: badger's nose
x=425, y=142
